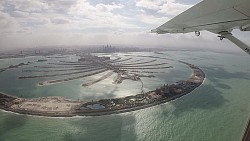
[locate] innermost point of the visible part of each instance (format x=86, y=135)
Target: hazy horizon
x=43, y=23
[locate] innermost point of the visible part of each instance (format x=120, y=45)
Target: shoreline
x=61, y=107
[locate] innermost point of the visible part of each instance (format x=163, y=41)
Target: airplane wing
x=217, y=16
x=211, y=15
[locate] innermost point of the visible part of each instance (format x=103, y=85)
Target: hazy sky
x=32, y=23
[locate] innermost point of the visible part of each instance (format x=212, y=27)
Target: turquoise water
x=72, y=89
x=216, y=111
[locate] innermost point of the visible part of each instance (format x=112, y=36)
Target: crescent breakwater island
x=56, y=106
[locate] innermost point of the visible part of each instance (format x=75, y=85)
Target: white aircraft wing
x=217, y=16
x=211, y=15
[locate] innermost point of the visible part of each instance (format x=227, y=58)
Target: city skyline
x=84, y=22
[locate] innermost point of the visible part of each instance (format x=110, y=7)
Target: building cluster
x=162, y=94
x=6, y=101
x=89, y=57
x=109, y=49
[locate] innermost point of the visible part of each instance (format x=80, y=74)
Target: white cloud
x=27, y=5
x=1, y=7
x=59, y=21
x=149, y=4
x=7, y=24
x=59, y=5
x=167, y=7
x=153, y=20
x=171, y=8
x=99, y=16
x=108, y=8
x=19, y=14
x=79, y=22
x=79, y=15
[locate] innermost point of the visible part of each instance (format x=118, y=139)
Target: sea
x=218, y=110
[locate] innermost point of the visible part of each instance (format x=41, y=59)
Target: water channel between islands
x=57, y=106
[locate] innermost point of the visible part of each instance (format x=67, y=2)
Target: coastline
x=61, y=107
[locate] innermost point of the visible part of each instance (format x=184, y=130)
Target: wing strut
x=239, y=43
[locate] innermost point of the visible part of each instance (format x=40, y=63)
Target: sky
x=35, y=23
